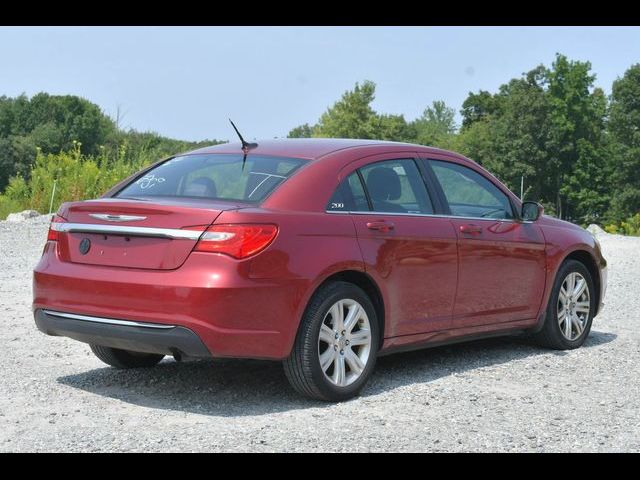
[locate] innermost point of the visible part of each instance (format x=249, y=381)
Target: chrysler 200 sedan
x=321, y=253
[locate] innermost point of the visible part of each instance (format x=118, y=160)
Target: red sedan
x=321, y=253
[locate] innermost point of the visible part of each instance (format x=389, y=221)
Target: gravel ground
x=495, y=395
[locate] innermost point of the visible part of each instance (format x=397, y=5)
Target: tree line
x=51, y=124
x=577, y=149
x=67, y=143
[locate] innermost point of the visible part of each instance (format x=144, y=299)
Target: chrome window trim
x=109, y=321
x=509, y=220
x=173, y=233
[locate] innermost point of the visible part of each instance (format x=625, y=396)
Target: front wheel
x=335, y=349
x=571, y=308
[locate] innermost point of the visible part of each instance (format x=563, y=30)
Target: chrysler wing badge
x=116, y=218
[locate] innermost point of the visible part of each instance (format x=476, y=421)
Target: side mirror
x=531, y=211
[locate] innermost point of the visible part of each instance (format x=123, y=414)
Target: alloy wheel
x=574, y=304
x=344, y=343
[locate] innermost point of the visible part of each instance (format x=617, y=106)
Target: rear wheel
x=336, y=346
x=570, y=310
x=125, y=358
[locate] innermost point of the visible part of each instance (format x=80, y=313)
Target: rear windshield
x=219, y=177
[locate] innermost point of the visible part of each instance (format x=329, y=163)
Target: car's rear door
x=409, y=252
x=501, y=275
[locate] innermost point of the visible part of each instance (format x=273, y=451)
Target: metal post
x=521, y=187
x=53, y=192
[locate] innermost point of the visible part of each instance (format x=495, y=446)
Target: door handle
x=381, y=226
x=473, y=229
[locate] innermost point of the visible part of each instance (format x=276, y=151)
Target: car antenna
x=246, y=146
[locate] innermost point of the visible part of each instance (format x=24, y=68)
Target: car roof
x=308, y=148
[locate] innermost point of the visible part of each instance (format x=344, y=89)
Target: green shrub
x=630, y=226
x=77, y=177
x=8, y=206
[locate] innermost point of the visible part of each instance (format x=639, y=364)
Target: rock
x=22, y=216
x=596, y=229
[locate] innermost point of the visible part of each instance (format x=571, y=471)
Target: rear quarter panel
x=309, y=248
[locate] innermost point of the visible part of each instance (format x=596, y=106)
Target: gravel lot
x=497, y=395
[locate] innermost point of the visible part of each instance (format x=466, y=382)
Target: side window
x=469, y=194
x=396, y=186
x=349, y=196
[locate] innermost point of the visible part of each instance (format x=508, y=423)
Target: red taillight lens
x=53, y=233
x=239, y=241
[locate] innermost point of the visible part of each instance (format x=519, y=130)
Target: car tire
x=556, y=326
x=125, y=359
x=323, y=367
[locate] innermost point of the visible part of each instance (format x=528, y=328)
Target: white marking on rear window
x=268, y=174
x=267, y=177
x=149, y=181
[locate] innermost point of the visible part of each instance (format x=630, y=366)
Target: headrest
x=384, y=184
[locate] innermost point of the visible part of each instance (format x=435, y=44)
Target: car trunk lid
x=156, y=233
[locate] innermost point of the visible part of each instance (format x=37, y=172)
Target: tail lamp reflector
x=236, y=240
x=53, y=234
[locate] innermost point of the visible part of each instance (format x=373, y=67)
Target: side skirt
x=407, y=343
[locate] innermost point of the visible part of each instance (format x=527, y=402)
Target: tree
x=577, y=113
x=624, y=132
x=16, y=154
x=478, y=106
x=351, y=116
x=391, y=127
x=436, y=126
x=50, y=123
x=547, y=126
x=53, y=124
x=302, y=131
x=507, y=132
x=588, y=188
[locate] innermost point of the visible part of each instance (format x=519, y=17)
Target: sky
x=184, y=82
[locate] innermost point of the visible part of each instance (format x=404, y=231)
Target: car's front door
x=411, y=254
x=501, y=275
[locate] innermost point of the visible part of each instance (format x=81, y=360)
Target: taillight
x=53, y=233
x=238, y=241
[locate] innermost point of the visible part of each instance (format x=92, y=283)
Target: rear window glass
x=219, y=177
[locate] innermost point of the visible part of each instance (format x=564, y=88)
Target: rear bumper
x=127, y=335
x=213, y=296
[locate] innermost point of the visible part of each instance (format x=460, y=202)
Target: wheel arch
x=368, y=285
x=582, y=255
x=587, y=259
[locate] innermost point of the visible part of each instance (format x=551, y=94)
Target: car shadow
x=249, y=387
